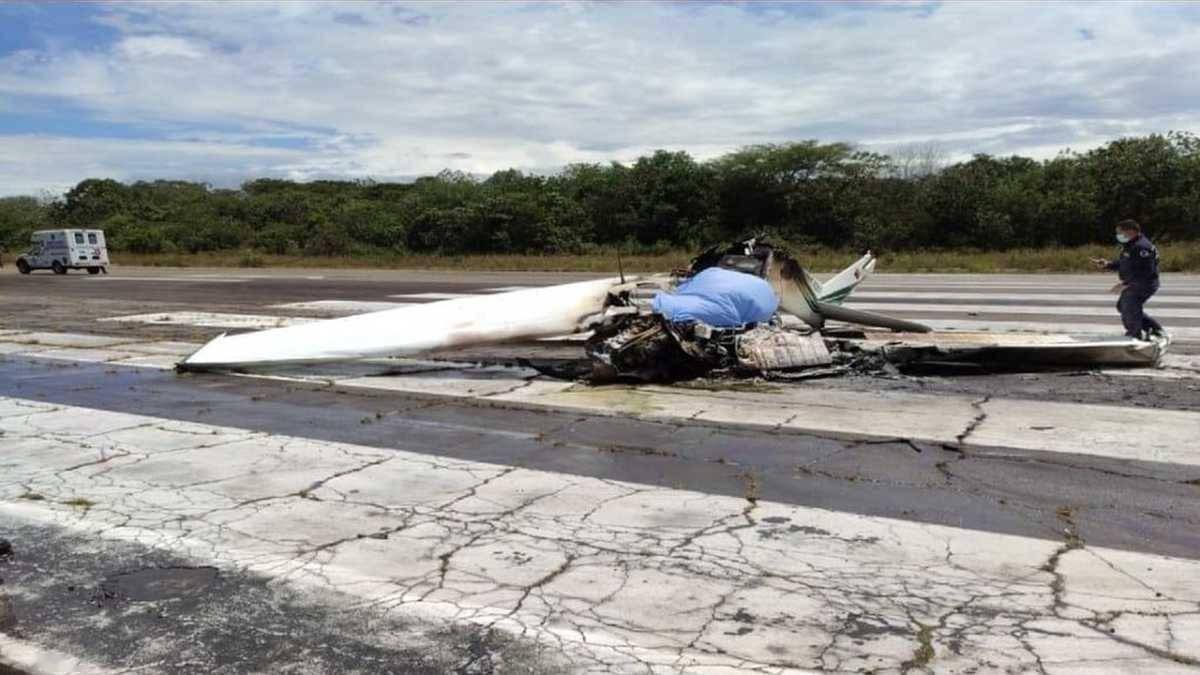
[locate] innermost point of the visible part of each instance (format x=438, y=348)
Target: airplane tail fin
x=841, y=285
x=801, y=296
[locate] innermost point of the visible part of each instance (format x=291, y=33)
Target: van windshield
x=78, y=237
x=91, y=237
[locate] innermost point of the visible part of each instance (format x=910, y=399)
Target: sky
x=223, y=92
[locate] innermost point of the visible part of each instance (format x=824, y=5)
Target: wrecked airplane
x=742, y=308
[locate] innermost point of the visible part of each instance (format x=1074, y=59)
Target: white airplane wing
x=462, y=322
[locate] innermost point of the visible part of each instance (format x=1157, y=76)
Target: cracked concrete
x=1027, y=423
x=613, y=576
x=1137, y=504
x=159, y=613
x=624, y=529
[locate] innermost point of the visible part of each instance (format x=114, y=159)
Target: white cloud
x=31, y=164
x=158, y=46
x=387, y=90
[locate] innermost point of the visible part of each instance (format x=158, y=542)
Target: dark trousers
x=1131, y=304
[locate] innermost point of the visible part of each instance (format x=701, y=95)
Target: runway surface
x=462, y=513
x=970, y=302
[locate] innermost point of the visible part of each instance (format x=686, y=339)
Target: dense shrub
x=142, y=239
x=18, y=217
x=807, y=192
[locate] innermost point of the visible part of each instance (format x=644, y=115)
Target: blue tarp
x=720, y=298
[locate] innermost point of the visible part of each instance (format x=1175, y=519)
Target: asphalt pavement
x=463, y=513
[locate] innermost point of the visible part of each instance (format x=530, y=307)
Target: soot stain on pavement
x=157, y=583
x=120, y=605
x=1069, y=386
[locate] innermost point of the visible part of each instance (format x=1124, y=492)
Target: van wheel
x=93, y=270
x=22, y=267
x=58, y=268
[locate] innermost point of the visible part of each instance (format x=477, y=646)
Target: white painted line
x=1188, y=361
x=1033, y=281
x=1106, y=299
x=21, y=348
x=210, y=320
x=157, y=361
x=1171, y=367
x=347, y=306
x=86, y=355
x=191, y=279
x=169, y=348
x=1152, y=373
x=1098, y=312
x=67, y=339
x=220, y=275
x=79, y=347
x=1061, y=292
x=253, y=277
x=1184, y=334
x=433, y=296
x=606, y=571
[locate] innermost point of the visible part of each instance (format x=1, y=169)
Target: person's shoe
x=1161, y=335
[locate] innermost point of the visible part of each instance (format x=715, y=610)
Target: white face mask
x=1122, y=238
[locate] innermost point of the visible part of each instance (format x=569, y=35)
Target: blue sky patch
x=35, y=25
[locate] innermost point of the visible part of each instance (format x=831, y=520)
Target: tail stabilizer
x=861, y=318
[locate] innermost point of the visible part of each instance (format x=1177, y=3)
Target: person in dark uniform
x=1137, y=267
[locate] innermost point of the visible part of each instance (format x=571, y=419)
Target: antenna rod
x=620, y=267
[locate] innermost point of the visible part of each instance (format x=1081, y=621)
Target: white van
x=62, y=250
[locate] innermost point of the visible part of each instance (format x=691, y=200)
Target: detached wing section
x=461, y=322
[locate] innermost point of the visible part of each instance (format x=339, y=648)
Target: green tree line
x=829, y=194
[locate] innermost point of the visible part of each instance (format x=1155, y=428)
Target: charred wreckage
x=747, y=308
x=743, y=308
